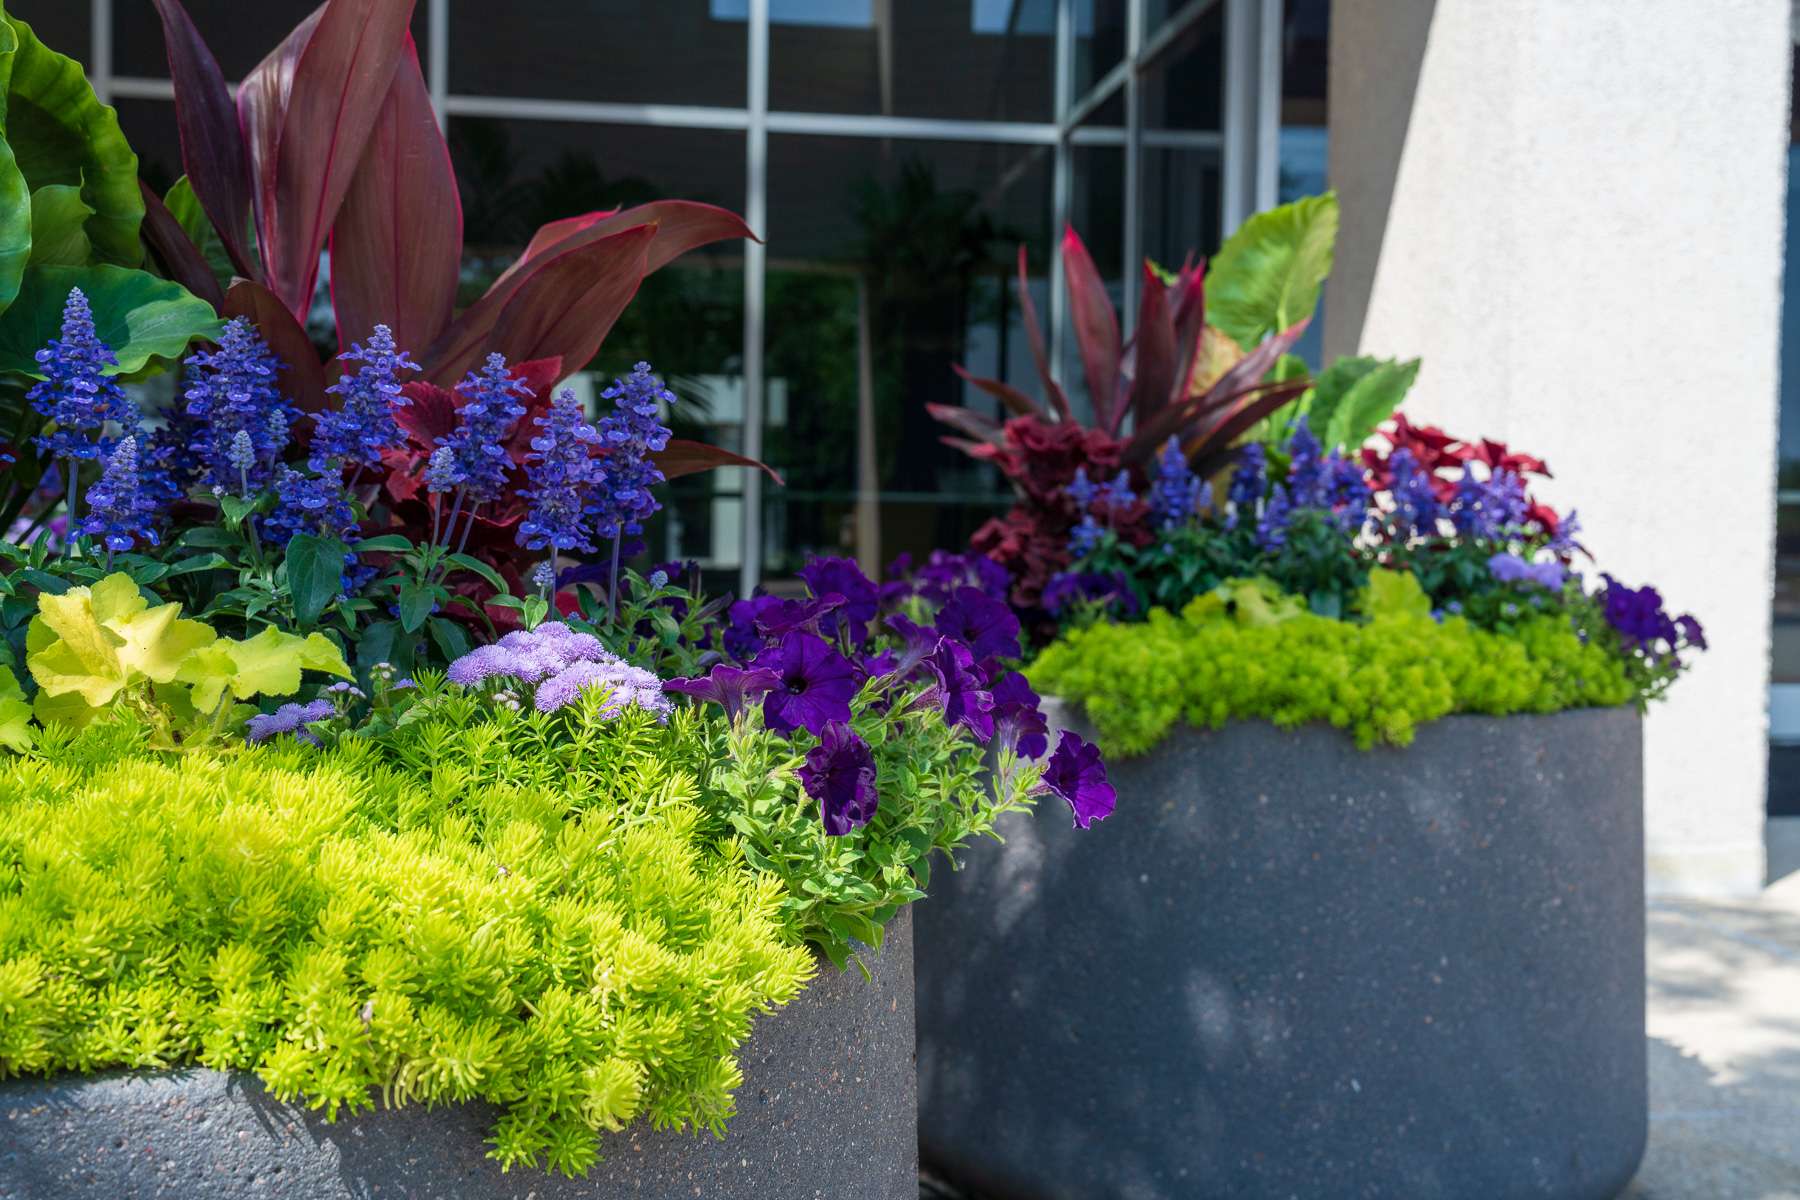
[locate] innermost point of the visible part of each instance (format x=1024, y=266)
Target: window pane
x=1099, y=40
x=62, y=25
x=149, y=125
x=925, y=233
x=240, y=34
x=676, y=52
x=971, y=59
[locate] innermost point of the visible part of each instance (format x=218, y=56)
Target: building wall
x=1574, y=213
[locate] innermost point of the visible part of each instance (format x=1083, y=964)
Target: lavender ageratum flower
x=76, y=395
x=814, y=688
x=1077, y=773
x=232, y=391
x=631, y=433
x=1416, y=508
x=840, y=774
x=561, y=473
x=1174, y=497
x=482, y=664
x=1019, y=718
x=1247, y=481
x=1309, y=478
x=828, y=576
x=314, y=504
x=961, y=690
x=1485, y=509
x=118, y=510
x=620, y=684
x=290, y=718
x=528, y=656
x=1272, y=525
x=363, y=425
x=986, y=626
x=1510, y=568
x=731, y=688
x=478, y=446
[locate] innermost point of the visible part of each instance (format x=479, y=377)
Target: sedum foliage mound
x=555, y=937
x=1247, y=651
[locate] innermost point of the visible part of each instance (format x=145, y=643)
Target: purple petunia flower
x=942, y=574
x=916, y=644
x=363, y=425
x=742, y=638
x=1018, y=717
x=961, y=690
x=840, y=774
x=778, y=618
x=731, y=688
x=1638, y=615
x=987, y=626
x=827, y=576
x=1077, y=773
x=814, y=688
x=290, y=718
x=1109, y=588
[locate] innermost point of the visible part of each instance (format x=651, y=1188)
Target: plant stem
x=72, y=491
x=612, y=584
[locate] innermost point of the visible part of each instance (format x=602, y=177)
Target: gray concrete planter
x=1287, y=967
x=827, y=1109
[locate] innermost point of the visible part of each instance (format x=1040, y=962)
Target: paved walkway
x=1724, y=1049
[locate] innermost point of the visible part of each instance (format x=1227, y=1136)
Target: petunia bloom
x=731, y=688
x=840, y=774
x=1018, y=717
x=1077, y=773
x=861, y=600
x=961, y=689
x=814, y=688
x=986, y=626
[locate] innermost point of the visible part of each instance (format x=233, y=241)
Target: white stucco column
x=1573, y=211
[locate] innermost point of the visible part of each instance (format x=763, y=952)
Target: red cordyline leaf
x=307, y=110
x=304, y=379
x=1015, y=400
x=396, y=248
x=683, y=457
x=1190, y=318
x=181, y=260
x=212, y=145
x=567, y=306
x=1035, y=334
x=680, y=226
x=1096, y=329
x=1155, y=369
x=1176, y=419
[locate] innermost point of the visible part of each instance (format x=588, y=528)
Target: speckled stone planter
x=827, y=1110
x=1286, y=967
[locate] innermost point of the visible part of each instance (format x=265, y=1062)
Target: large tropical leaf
x=304, y=378
x=1354, y=395
x=136, y=314
x=681, y=225
x=308, y=110
x=58, y=226
x=1155, y=358
x=1016, y=401
x=15, y=220
x=180, y=259
x=683, y=457
x=1035, y=334
x=1226, y=398
x=60, y=133
x=1096, y=328
x=185, y=207
x=396, y=249
x=212, y=145
x=1268, y=274
x=567, y=306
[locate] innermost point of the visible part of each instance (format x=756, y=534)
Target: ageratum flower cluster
x=821, y=663
x=551, y=666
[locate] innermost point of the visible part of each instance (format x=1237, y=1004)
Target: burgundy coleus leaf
x=680, y=226
x=180, y=259
x=429, y=414
x=684, y=457
x=304, y=378
x=1096, y=328
x=396, y=248
x=307, y=111
x=212, y=144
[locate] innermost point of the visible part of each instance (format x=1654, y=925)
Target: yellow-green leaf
x=320, y=653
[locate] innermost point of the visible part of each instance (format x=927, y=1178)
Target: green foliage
x=1247, y=652
x=1267, y=275
x=556, y=938
x=137, y=315
x=1350, y=398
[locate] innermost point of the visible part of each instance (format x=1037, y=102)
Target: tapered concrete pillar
x=1573, y=210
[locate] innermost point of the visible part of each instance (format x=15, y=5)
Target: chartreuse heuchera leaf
x=89, y=648
x=554, y=935
x=15, y=714
x=1244, y=652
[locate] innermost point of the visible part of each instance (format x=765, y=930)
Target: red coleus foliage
x=1443, y=457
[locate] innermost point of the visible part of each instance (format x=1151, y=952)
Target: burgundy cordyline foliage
x=1156, y=379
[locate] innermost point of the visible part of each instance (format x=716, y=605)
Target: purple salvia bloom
x=118, y=510
x=290, y=718
x=1175, y=494
x=1085, y=536
x=1082, y=489
x=1248, y=479
x=232, y=391
x=1350, y=497
x=815, y=684
x=1309, y=476
x=440, y=470
x=1118, y=495
x=561, y=473
x=314, y=504
x=731, y=688
x=1077, y=773
x=76, y=395
x=478, y=447
x=840, y=774
x=631, y=433
x=1271, y=527
x=1487, y=509
x=363, y=425
x=1416, y=508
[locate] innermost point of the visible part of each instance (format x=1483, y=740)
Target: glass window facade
x=894, y=156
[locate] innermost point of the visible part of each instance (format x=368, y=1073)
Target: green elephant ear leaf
x=1267, y=275
x=58, y=227
x=136, y=314
x=184, y=206
x=15, y=224
x=61, y=134
x=1354, y=395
